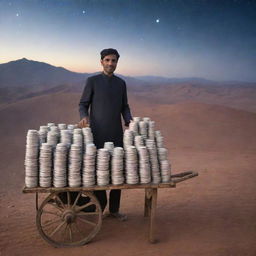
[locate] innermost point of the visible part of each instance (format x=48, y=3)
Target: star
x=157, y=20
x=17, y=15
x=83, y=11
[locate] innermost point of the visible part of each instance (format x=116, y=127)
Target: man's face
x=109, y=63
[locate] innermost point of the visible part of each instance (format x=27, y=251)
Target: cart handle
x=183, y=176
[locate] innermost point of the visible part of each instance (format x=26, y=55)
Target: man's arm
x=126, y=113
x=85, y=103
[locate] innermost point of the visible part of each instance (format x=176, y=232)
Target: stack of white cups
x=45, y=169
x=134, y=126
x=31, y=159
x=117, y=166
x=88, y=136
x=65, y=137
x=138, y=141
x=60, y=165
x=102, y=170
x=151, y=146
x=89, y=160
x=164, y=164
x=143, y=129
x=128, y=138
x=62, y=126
x=74, y=166
x=109, y=146
x=151, y=130
x=144, y=165
x=136, y=119
x=43, y=130
x=52, y=138
x=78, y=137
x=131, y=165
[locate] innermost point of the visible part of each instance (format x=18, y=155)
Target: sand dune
x=213, y=214
x=235, y=96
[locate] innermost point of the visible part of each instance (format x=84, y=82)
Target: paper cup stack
x=78, y=137
x=45, y=167
x=146, y=119
x=134, y=126
x=52, y=138
x=71, y=128
x=131, y=164
x=102, y=171
x=117, y=166
x=165, y=170
x=143, y=129
x=65, y=137
x=162, y=154
x=109, y=146
x=89, y=160
x=43, y=130
x=62, y=126
x=164, y=164
x=151, y=146
x=74, y=166
x=50, y=124
x=31, y=159
x=159, y=139
x=128, y=138
x=60, y=166
x=151, y=130
x=144, y=165
x=88, y=136
x=136, y=119
x=138, y=141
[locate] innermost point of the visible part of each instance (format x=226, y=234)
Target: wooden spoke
x=84, y=206
x=56, y=206
x=64, y=233
x=52, y=213
x=68, y=196
x=57, y=228
x=74, y=204
x=79, y=231
x=51, y=222
x=87, y=221
x=58, y=198
x=70, y=232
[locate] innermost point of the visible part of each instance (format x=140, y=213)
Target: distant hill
x=167, y=80
x=29, y=73
x=24, y=78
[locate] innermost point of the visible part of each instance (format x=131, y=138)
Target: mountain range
x=25, y=78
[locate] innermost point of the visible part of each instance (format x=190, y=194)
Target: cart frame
x=149, y=206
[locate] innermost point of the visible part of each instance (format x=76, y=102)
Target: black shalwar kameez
x=106, y=96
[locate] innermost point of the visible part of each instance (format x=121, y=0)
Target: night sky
x=173, y=38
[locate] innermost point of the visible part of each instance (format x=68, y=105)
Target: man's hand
x=84, y=123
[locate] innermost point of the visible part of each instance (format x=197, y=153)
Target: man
x=106, y=95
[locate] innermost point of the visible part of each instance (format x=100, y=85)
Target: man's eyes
x=113, y=60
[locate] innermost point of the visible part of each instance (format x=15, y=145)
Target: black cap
x=109, y=51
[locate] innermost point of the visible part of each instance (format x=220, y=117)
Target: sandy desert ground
x=212, y=214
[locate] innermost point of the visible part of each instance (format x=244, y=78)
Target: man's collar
x=107, y=75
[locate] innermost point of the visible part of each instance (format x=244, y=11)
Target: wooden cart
x=72, y=216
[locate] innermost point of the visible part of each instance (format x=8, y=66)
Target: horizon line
x=136, y=76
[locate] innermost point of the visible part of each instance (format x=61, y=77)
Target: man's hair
x=109, y=51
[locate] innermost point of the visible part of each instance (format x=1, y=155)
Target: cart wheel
x=67, y=219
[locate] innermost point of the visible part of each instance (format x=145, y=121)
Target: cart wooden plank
x=172, y=184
